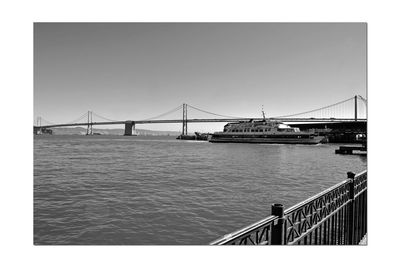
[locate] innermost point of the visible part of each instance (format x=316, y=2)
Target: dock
x=349, y=150
x=197, y=136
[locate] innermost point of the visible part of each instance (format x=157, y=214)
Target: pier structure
x=336, y=216
x=360, y=150
x=331, y=117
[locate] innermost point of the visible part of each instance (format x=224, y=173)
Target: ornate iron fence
x=336, y=216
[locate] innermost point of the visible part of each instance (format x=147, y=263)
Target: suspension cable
x=164, y=114
x=84, y=115
x=101, y=117
x=226, y=116
x=46, y=121
x=318, y=109
x=363, y=99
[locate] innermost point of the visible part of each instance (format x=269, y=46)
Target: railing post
x=277, y=233
x=350, y=229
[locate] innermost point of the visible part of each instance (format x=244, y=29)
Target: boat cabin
x=259, y=126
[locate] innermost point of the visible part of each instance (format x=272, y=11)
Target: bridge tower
x=355, y=108
x=89, y=130
x=38, y=129
x=184, y=120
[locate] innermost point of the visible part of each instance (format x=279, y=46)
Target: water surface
x=158, y=190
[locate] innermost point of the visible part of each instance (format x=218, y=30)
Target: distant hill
x=82, y=131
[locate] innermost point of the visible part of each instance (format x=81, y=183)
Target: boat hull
x=267, y=140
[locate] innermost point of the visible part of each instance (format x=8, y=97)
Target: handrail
x=337, y=215
x=327, y=191
x=239, y=233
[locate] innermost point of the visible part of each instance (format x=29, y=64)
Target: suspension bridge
x=335, y=114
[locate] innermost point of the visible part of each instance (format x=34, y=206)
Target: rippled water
x=158, y=190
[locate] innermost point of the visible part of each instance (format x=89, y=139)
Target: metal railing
x=336, y=216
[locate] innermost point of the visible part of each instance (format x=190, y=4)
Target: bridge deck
x=287, y=120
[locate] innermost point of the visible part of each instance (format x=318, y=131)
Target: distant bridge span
x=287, y=120
x=129, y=124
x=331, y=114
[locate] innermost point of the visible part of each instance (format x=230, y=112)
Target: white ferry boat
x=264, y=131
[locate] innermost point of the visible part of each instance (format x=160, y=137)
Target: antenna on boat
x=262, y=110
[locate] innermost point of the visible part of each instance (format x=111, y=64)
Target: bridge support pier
x=128, y=128
x=37, y=130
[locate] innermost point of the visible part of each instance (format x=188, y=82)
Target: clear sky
x=135, y=71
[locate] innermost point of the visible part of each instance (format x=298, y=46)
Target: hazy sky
x=139, y=70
